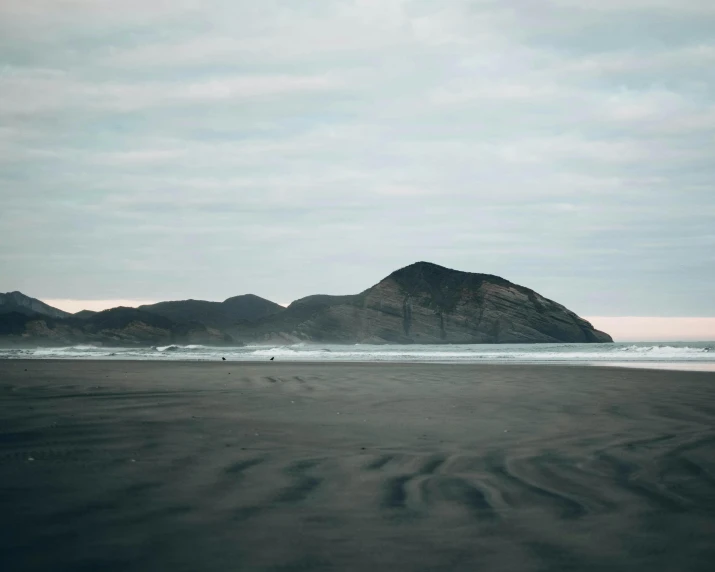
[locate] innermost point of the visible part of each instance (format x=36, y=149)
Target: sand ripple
x=141, y=466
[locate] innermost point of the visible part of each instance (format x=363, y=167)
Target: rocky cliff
x=426, y=303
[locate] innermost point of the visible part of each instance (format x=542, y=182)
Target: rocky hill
x=426, y=303
x=231, y=312
x=83, y=314
x=21, y=304
x=115, y=327
x=421, y=303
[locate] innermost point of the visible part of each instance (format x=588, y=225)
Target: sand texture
x=299, y=467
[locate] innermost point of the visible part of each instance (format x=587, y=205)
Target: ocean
x=673, y=355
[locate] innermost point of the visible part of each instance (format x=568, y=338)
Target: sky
x=154, y=150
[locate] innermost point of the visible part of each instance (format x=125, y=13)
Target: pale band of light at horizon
x=622, y=328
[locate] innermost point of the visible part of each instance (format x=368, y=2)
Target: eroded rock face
x=426, y=303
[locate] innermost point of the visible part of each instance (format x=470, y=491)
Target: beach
x=143, y=466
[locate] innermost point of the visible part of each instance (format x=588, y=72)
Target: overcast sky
x=154, y=150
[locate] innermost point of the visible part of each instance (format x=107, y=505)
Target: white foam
x=282, y=351
x=667, y=351
x=511, y=353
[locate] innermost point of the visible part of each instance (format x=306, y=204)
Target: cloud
x=690, y=7
x=46, y=91
x=186, y=149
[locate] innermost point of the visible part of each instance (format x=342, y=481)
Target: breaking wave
x=508, y=353
x=175, y=348
x=666, y=351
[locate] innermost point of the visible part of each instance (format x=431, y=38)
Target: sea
x=672, y=355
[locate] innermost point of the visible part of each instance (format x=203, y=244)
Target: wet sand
x=234, y=466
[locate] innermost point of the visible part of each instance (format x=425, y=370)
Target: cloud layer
x=204, y=149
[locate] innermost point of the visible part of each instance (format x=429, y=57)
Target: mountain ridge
x=121, y=326
x=419, y=303
x=23, y=304
x=428, y=303
x=233, y=310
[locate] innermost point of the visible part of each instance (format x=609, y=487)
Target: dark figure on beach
x=272, y=358
x=223, y=358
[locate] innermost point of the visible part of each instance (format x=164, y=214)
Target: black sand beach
x=232, y=466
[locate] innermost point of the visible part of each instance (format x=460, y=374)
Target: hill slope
x=18, y=302
x=115, y=327
x=83, y=314
x=236, y=310
x=427, y=303
x=421, y=303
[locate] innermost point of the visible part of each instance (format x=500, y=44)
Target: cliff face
x=426, y=303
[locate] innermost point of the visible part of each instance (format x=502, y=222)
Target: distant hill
x=116, y=327
x=230, y=312
x=83, y=314
x=22, y=304
x=421, y=303
x=427, y=303
x=25, y=320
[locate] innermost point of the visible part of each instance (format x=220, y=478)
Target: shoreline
x=692, y=366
